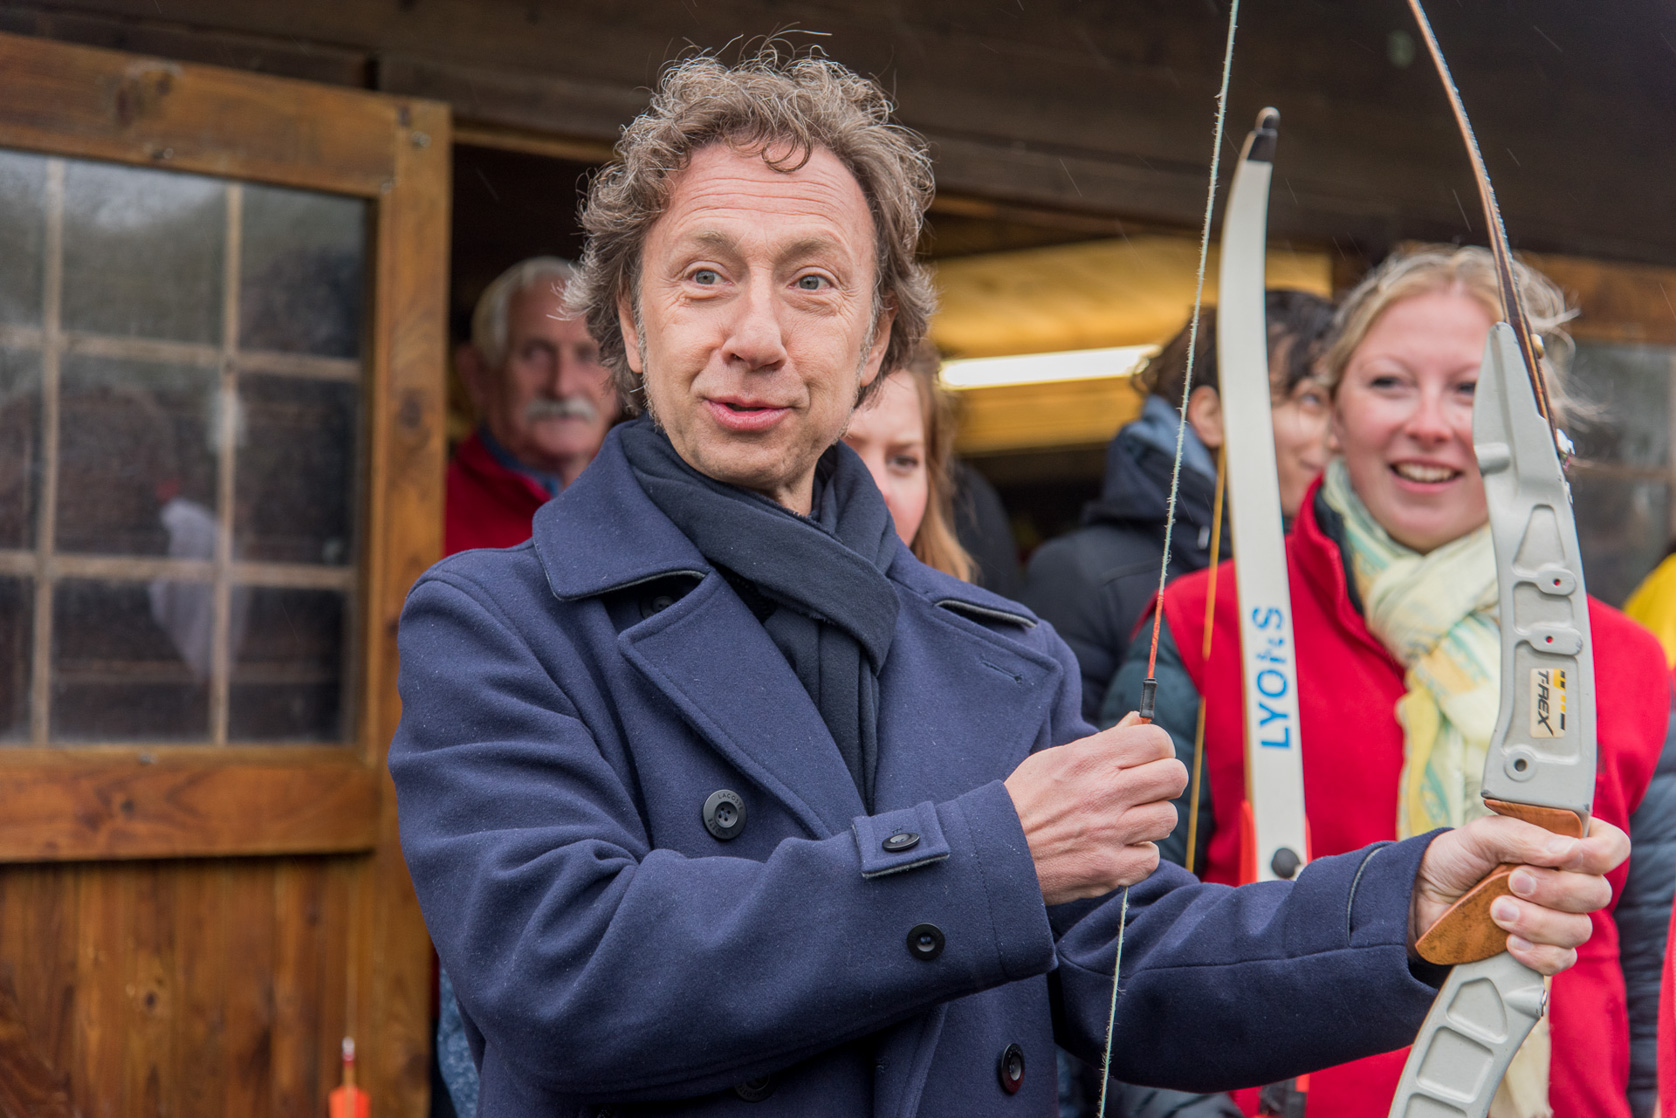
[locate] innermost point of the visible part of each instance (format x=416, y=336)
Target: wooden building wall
x=1082, y=108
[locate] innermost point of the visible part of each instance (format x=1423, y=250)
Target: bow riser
x=1542, y=754
x=1543, y=748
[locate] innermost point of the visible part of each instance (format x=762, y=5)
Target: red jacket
x=487, y=505
x=1667, y=1028
x=1353, y=755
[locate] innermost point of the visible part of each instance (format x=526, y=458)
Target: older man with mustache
x=544, y=402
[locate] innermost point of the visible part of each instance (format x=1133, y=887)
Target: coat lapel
x=961, y=705
x=711, y=657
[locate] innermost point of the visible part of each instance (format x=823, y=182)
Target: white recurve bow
x=1541, y=763
x=1274, y=842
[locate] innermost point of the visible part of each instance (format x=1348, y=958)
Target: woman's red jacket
x=1353, y=754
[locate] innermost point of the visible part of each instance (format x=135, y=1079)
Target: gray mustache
x=565, y=407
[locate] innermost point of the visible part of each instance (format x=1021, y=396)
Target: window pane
x=17, y=641
x=288, y=676
x=137, y=462
x=296, y=473
x=143, y=252
x=197, y=484
x=22, y=237
x=130, y=661
x=1623, y=527
x=301, y=275
x=20, y=447
x=1630, y=385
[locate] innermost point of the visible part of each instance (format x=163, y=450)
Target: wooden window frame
x=149, y=801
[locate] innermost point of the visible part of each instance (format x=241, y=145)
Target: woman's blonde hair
x=1470, y=270
x=935, y=544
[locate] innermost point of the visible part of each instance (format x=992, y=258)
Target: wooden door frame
x=130, y=801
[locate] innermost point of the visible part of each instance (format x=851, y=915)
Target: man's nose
x=756, y=338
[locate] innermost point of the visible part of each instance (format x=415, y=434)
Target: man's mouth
x=1423, y=473
x=745, y=415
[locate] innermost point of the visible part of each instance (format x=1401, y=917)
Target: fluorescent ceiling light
x=1035, y=368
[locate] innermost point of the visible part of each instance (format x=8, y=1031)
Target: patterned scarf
x=1438, y=615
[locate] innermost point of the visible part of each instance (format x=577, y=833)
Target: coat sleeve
x=1643, y=918
x=605, y=967
x=1288, y=977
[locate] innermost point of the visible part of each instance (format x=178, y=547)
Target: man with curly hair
x=717, y=801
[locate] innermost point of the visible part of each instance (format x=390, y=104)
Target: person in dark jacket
x=1094, y=583
x=719, y=802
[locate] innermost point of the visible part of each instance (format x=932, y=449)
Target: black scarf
x=818, y=582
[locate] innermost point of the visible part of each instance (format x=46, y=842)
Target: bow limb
x=1542, y=755
x=1275, y=839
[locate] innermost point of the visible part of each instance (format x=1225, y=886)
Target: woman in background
x=905, y=434
x=1395, y=609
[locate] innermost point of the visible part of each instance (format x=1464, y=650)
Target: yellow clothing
x=1654, y=605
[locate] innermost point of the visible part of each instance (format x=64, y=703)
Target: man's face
x=756, y=329
x=552, y=401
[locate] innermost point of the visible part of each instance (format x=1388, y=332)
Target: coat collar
x=628, y=540
x=631, y=542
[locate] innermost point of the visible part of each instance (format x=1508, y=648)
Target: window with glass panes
x=181, y=382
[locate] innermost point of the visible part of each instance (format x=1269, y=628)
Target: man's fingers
x=1561, y=890
x=1544, y=960
x=1541, y=926
x=1499, y=840
x=1134, y=743
x=1155, y=781
x=1151, y=823
x=1602, y=852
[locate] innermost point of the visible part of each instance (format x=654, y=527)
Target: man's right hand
x=1092, y=809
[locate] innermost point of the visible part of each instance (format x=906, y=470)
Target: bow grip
x=1465, y=933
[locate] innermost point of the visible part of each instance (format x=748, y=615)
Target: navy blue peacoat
x=572, y=705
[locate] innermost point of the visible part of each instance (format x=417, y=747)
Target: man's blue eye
x=811, y=283
x=706, y=276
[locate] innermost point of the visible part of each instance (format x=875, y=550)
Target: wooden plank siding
x=199, y=987
x=1100, y=109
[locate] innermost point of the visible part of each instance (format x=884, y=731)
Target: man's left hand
x=1558, y=883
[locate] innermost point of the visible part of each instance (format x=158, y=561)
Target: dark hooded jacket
x=1095, y=583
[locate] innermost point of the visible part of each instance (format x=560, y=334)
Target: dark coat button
x=655, y=603
x=1011, y=1069
x=900, y=841
x=925, y=941
x=724, y=814
x=755, y=1090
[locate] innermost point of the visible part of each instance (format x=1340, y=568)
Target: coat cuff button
x=900, y=841
x=1010, y=1069
x=724, y=814
x=755, y=1090
x=925, y=941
